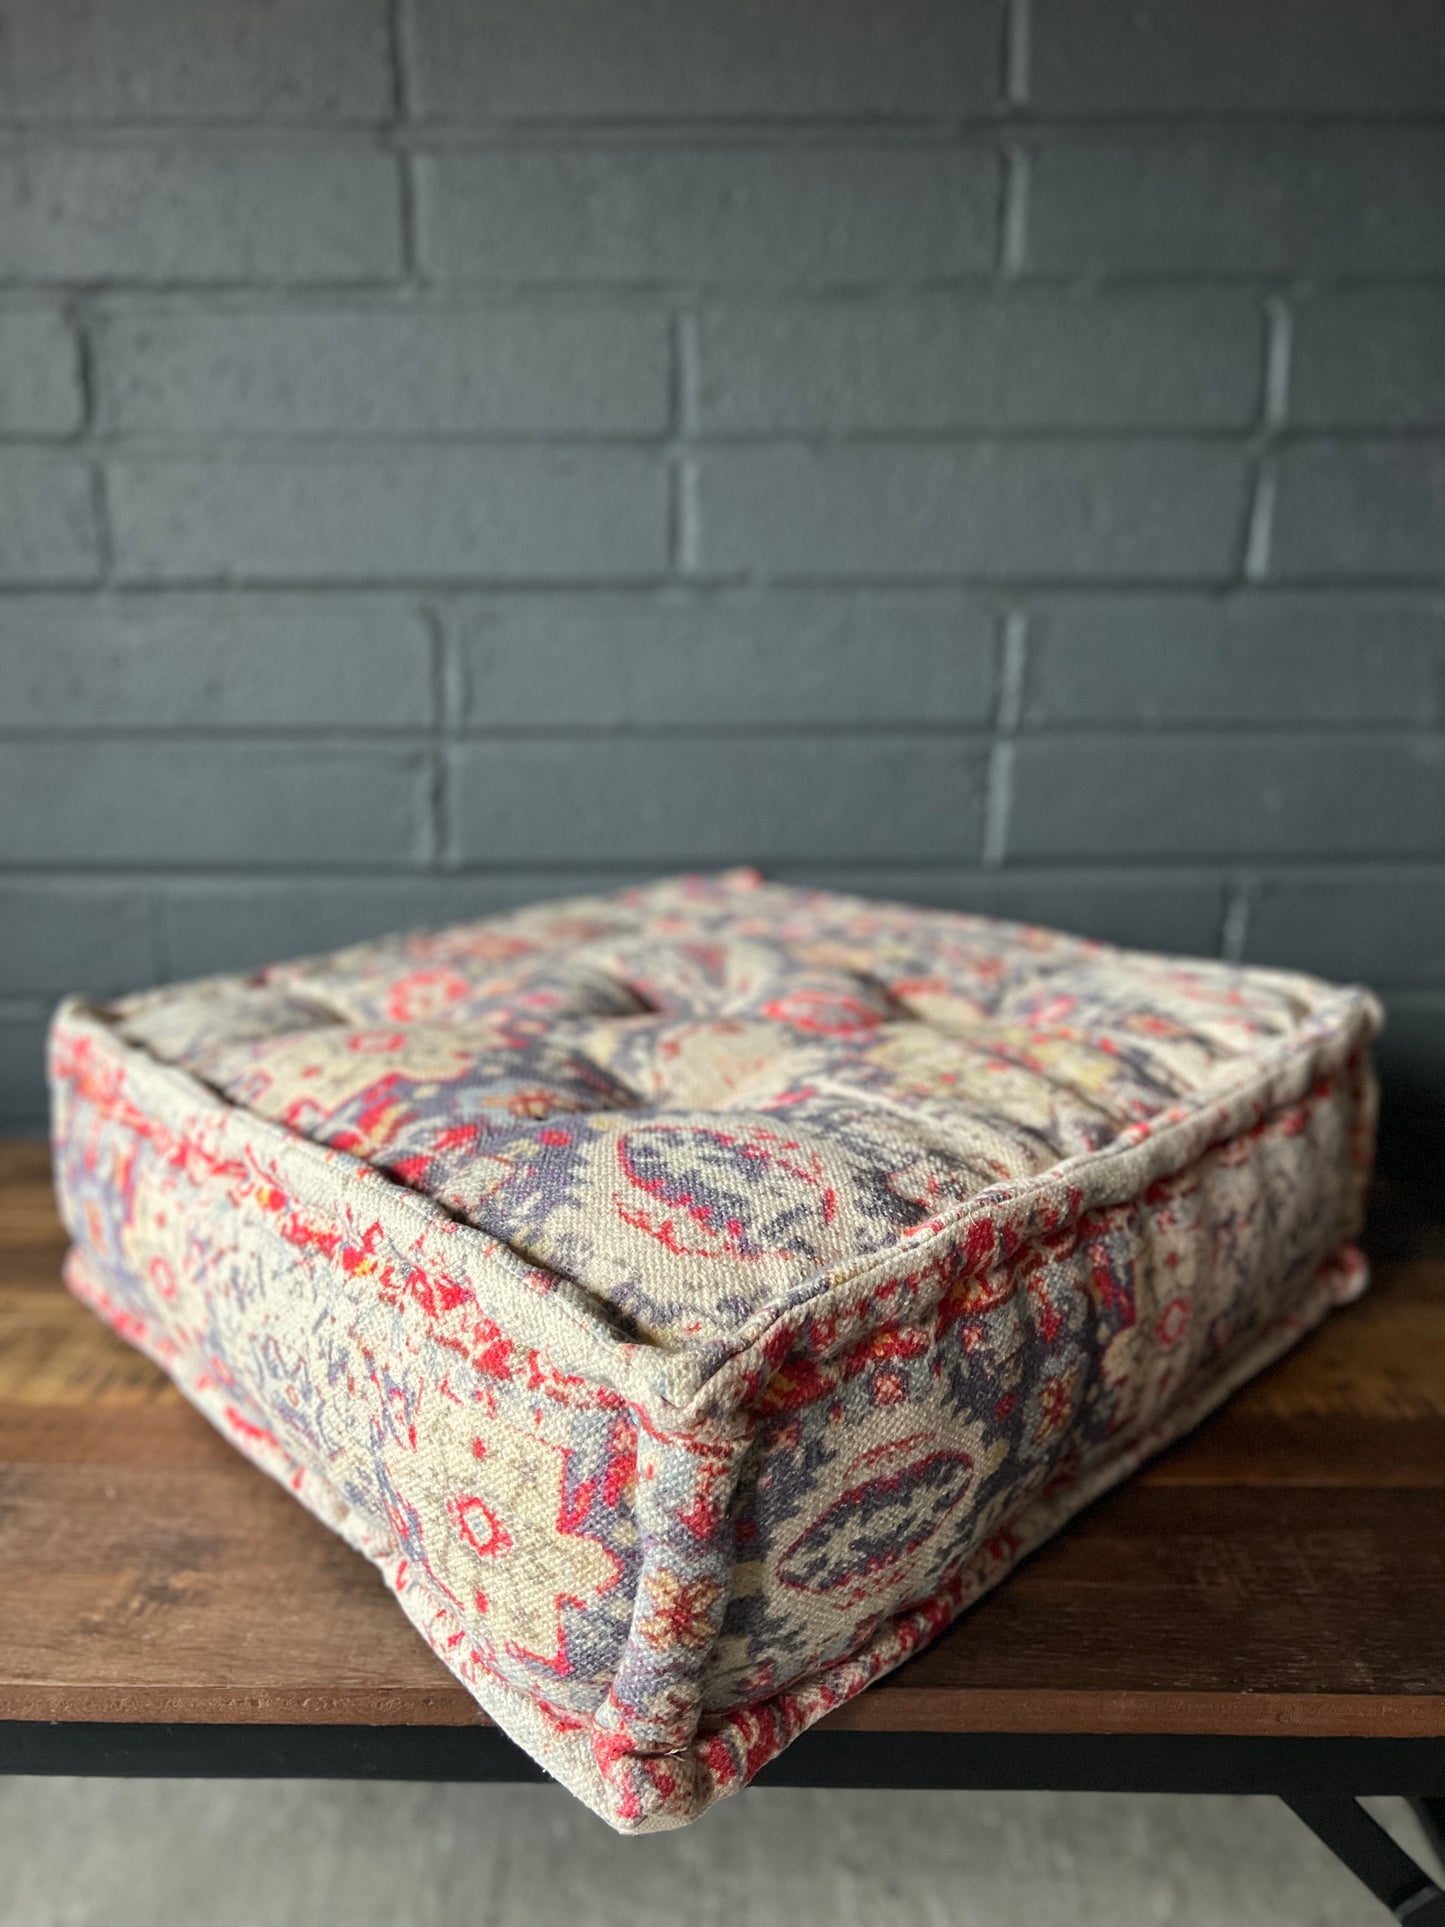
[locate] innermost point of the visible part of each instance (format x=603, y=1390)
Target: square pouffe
x=693, y=1298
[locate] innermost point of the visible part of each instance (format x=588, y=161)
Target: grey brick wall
x=984, y=451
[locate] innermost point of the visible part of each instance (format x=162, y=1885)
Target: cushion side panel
x=914, y=1464
x=737, y=1742
x=564, y=1557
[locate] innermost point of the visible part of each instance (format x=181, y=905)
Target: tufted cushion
x=692, y=1298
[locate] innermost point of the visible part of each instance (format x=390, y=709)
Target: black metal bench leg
x=1372, y=1856
x=1431, y=1815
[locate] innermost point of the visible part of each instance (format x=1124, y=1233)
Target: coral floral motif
x=829, y=1013
x=682, y=1611
x=423, y=994
x=1056, y=1403
x=1173, y=1321
x=479, y=1526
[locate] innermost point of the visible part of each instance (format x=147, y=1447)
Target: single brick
x=1360, y=509
x=676, y=661
x=215, y=663
x=634, y=60
x=1316, y=201
x=1181, y=660
x=1025, y=359
x=701, y=800
x=73, y=935
x=1370, y=358
x=201, y=213
x=499, y=370
x=24, y=1105
x=1228, y=797
x=39, y=373
x=219, y=925
x=225, y=803
x=503, y=513
x=1388, y=925
x=47, y=519
x=802, y=214
x=157, y=60
x=995, y=509
x=1236, y=57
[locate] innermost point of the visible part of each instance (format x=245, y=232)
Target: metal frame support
x=1372, y=1856
x=1431, y=1815
x=1310, y=1775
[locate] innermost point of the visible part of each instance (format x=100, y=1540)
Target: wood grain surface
x=1281, y=1571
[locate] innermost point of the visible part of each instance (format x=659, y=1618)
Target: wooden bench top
x=1281, y=1572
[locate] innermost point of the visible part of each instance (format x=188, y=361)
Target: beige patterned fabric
x=692, y=1298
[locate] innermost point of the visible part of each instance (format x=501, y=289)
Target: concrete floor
x=97, y=1853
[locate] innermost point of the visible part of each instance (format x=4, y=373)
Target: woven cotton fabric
x=692, y=1298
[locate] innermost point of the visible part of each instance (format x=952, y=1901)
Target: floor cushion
x=692, y=1298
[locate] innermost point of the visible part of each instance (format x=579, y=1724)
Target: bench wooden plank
x=1280, y=1572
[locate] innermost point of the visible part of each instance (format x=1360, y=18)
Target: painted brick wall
x=462, y=450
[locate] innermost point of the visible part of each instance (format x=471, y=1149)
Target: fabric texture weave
x=692, y=1298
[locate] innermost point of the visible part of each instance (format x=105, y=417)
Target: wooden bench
x=1261, y=1610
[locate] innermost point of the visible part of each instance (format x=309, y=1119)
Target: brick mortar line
x=264, y=445
x=391, y=292
x=1016, y=165
x=273, y=448
x=684, y=530
x=1221, y=584
x=789, y=132
x=1271, y=434
x=1259, y=522
x=399, y=60
x=1234, y=923
x=415, y=736
x=395, y=596
x=198, y=884
x=77, y=881
x=998, y=793
x=412, y=739
x=1278, y=363
x=87, y=375
x=446, y=702
x=176, y=298
x=82, y=324
x=396, y=133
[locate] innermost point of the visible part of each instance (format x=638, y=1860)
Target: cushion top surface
x=694, y=1097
